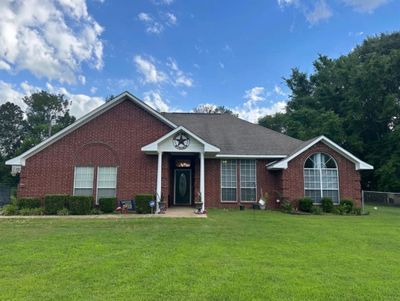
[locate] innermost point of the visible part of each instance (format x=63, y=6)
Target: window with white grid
x=83, y=181
x=248, y=180
x=321, y=178
x=228, y=181
x=106, y=182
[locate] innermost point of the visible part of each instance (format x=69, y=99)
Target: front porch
x=180, y=168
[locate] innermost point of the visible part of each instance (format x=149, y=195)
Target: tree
x=46, y=114
x=354, y=100
x=11, y=128
x=213, y=109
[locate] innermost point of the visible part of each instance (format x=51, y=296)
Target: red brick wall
x=114, y=138
x=349, y=178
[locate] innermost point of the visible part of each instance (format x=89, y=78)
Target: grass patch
x=232, y=255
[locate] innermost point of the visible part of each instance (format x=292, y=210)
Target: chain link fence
x=381, y=198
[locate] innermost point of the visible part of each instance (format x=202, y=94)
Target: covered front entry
x=181, y=142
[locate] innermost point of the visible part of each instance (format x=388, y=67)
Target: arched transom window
x=321, y=178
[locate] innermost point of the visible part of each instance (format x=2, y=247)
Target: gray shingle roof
x=235, y=136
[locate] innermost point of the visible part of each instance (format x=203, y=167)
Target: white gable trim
x=20, y=160
x=360, y=165
x=153, y=147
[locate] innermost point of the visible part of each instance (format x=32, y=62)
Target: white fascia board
x=153, y=147
x=251, y=156
x=360, y=165
x=20, y=160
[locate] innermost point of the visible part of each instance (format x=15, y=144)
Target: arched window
x=321, y=178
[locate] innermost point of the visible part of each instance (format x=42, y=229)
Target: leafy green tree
x=46, y=114
x=11, y=128
x=354, y=100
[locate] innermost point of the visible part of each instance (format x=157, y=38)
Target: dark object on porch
x=131, y=205
x=256, y=206
x=242, y=207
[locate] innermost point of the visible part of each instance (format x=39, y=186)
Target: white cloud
x=253, y=113
x=178, y=77
x=163, y=2
x=93, y=90
x=152, y=26
x=283, y=3
x=365, y=5
x=254, y=108
x=278, y=90
x=149, y=70
x=171, y=19
x=154, y=100
x=320, y=12
x=80, y=103
x=50, y=39
x=254, y=95
x=221, y=65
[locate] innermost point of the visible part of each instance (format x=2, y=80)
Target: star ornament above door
x=180, y=141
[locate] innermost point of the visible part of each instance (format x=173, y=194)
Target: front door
x=182, y=186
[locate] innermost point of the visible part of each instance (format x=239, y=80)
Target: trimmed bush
x=327, y=204
x=80, y=205
x=347, y=205
x=23, y=203
x=107, y=205
x=142, y=203
x=305, y=204
x=54, y=203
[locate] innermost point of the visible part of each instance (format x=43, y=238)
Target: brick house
x=124, y=148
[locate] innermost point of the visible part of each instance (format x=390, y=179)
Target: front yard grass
x=231, y=255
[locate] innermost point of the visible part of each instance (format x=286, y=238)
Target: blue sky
x=177, y=54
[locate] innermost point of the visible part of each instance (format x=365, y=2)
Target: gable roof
x=153, y=147
x=20, y=160
x=236, y=137
x=283, y=164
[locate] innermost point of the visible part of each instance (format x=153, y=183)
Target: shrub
x=305, y=204
x=287, y=206
x=80, y=205
x=347, y=206
x=54, y=203
x=327, y=205
x=23, y=203
x=317, y=210
x=107, y=205
x=63, y=211
x=142, y=203
x=357, y=211
x=10, y=209
x=96, y=211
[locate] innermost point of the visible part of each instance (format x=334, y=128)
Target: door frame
x=190, y=187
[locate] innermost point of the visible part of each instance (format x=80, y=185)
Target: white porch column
x=159, y=177
x=202, y=181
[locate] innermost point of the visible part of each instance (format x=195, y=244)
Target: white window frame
x=236, y=182
x=245, y=187
x=97, y=181
x=320, y=169
x=74, y=185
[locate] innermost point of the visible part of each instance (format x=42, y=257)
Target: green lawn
x=232, y=255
